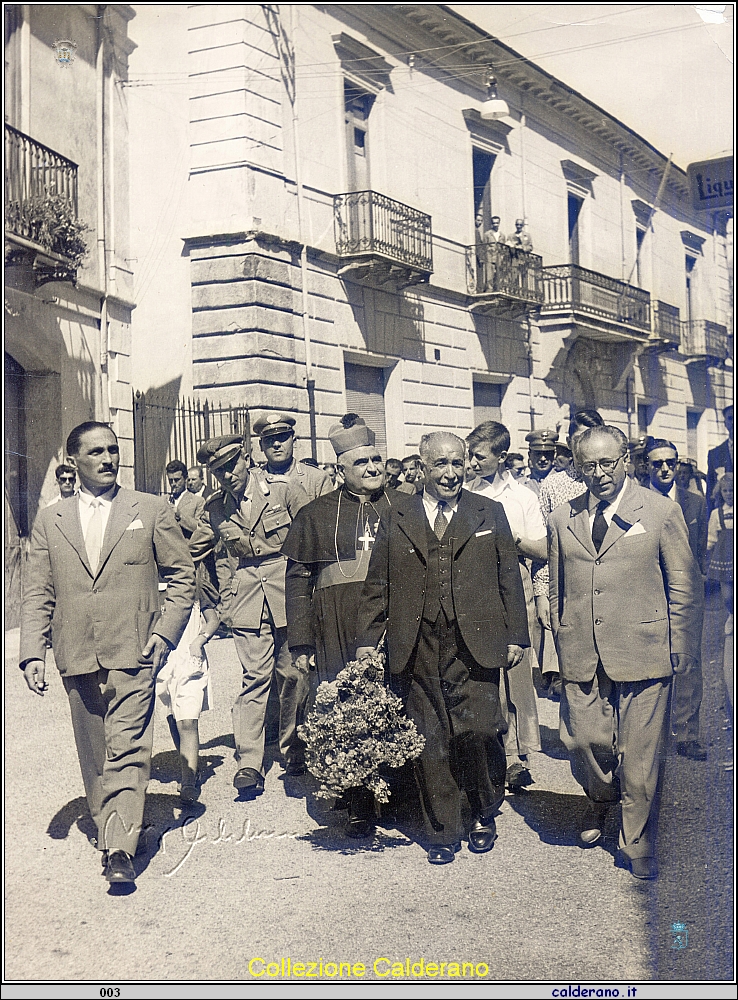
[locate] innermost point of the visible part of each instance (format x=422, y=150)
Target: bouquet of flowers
x=356, y=726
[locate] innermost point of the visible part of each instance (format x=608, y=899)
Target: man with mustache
x=92, y=587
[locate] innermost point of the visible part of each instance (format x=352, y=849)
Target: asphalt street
x=226, y=882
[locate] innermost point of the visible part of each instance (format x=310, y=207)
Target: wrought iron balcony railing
x=507, y=272
x=370, y=224
x=38, y=183
x=570, y=287
x=702, y=338
x=667, y=325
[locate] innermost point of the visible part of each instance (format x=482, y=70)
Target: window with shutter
x=365, y=396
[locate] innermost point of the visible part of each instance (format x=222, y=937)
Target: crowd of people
x=486, y=584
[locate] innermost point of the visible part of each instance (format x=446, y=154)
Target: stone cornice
x=517, y=76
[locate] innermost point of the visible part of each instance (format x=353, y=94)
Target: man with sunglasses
x=686, y=696
x=66, y=478
x=626, y=601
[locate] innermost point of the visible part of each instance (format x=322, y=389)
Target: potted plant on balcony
x=52, y=222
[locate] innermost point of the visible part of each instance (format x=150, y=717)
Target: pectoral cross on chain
x=367, y=539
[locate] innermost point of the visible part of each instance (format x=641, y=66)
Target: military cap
x=273, y=423
x=219, y=450
x=563, y=449
x=544, y=440
x=357, y=435
x=638, y=444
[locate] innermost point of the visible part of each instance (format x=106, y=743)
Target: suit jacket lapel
x=122, y=513
x=468, y=517
x=412, y=521
x=579, y=522
x=68, y=522
x=625, y=517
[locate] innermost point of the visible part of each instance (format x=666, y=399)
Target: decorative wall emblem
x=65, y=52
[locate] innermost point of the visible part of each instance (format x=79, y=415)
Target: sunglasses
x=670, y=462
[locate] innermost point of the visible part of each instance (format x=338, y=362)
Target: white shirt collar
x=431, y=506
x=105, y=498
x=612, y=505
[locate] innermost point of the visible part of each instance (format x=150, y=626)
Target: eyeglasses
x=606, y=464
x=670, y=462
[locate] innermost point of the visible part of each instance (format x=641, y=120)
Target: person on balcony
x=486, y=267
x=519, y=239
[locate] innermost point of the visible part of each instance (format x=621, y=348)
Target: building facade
x=330, y=162
x=68, y=283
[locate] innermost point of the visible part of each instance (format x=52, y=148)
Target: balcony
x=667, y=327
x=41, y=225
x=381, y=241
x=703, y=339
x=503, y=280
x=586, y=303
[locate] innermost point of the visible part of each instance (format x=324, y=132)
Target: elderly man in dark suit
x=662, y=458
x=626, y=613
x=444, y=582
x=91, y=588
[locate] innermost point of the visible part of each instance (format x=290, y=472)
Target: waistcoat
x=438, y=589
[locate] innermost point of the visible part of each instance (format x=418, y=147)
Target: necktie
x=599, y=527
x=93, y=539
x=440, y=523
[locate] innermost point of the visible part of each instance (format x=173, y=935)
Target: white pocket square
x=635, y=529
x=479, y=534
x=134, y=524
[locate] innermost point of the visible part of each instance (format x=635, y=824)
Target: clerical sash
x=345, y=571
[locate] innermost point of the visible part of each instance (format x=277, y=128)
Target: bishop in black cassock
x=328, y=549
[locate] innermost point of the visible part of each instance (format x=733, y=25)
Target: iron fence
x=35, y=177
x=495, y=268
x=167, y=429
x=568, y=286
x=370, y=223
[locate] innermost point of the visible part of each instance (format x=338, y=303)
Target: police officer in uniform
x=251, y=516
x=277, y=438
x=541, y=456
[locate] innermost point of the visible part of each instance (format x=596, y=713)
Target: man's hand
x=681, y=663
x=156, y=651
x=514, y=655
x=363, y=651
x=35, y=675
x=543, y=611
x=302, y=663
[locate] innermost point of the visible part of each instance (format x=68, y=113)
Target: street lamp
x=494, y=107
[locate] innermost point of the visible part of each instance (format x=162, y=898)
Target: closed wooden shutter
x=487, y=402
x=365, y=396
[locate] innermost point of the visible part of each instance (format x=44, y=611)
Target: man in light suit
x=444, y=581
x=626, y=612
x=91, y=591
x=662, y=458
x=188, y=507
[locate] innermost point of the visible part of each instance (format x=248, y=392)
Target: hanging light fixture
x=494, y=106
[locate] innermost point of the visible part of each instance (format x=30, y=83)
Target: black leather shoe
x=644, y=868
x=189, y=792
x=517, y=776
x=247, y=779
x=295, y=768
x=443, y=854
x=119, y=867
x=482, y=836
x=691, y=749
x=593, y=822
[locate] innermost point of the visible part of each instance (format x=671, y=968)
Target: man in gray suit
x=91, y=591
x=626, y=613
x=188, y=506
x=686, y=696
